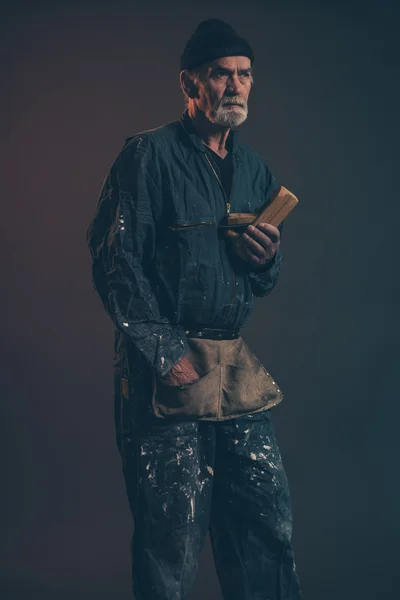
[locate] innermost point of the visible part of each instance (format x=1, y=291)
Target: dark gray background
x=79, y=78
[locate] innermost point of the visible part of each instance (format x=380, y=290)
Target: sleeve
x=263, y=279
x=121, y=238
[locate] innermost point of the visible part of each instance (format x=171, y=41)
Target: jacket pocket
x=189, y=258
x=192, y=221
x=190, y=226
x=199, y=400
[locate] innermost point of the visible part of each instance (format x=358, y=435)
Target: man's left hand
x=258, y=244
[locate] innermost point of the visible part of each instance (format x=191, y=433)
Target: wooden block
x=237, y=219
x=274, y=213
x=283, y=203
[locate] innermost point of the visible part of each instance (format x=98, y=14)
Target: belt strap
x=213, y=334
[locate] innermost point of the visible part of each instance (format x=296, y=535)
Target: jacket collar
x=187, y=125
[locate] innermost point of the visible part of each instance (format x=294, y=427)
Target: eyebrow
x=230, y=71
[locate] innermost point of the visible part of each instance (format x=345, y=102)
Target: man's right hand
x=182, y=372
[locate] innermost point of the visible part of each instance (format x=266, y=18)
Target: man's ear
x=188, y=85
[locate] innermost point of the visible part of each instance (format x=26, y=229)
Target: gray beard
x=228, y=116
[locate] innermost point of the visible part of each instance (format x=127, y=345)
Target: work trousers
x=186, y=478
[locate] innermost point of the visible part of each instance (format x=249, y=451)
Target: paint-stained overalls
x=190, y=474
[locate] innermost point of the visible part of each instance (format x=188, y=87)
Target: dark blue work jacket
x=160, y=261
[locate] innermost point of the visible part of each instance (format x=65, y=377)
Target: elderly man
x=192, y=401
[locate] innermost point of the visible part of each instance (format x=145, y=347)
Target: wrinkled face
x=223, y=89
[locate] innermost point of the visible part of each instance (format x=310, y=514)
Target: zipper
x=228, y=210
x=190, y=225
x=228, y=205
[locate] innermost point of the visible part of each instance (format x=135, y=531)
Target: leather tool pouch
x=232, y=382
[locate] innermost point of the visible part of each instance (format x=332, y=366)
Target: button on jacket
x=160, y=262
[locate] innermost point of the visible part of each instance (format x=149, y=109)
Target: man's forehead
x=230, y=62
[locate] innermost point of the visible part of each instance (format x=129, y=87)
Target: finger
x=262, y=238
x=258, y=260
x=270, y=230
x=254, y=247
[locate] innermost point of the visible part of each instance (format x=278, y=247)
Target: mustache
x=231, y=101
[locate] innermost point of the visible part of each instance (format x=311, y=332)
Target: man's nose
x=233, y=84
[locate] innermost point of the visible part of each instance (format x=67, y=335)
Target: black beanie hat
x=213, y=39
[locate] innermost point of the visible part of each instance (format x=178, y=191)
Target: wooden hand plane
x=273, y=212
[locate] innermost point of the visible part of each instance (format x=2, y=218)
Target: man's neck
x=212, y=135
